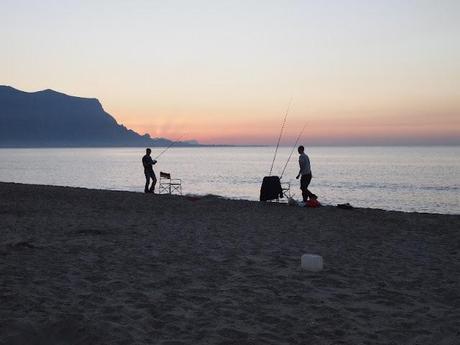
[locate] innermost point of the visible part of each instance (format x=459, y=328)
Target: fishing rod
x=170, y=145
x=293, y=148
x=281, y=133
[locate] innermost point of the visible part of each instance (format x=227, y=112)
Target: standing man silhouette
x=305, y=175
x=148, y=163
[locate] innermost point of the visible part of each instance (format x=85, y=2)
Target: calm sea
x=421, y=179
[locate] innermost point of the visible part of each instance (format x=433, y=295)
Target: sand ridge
x=82, y=266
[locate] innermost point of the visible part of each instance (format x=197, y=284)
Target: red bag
x=312, y=203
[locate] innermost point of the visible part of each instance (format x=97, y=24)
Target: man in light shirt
x=305, y=175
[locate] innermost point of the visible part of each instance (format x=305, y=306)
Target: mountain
x=52, y=119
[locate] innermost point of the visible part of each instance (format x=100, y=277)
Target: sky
x=224, y=72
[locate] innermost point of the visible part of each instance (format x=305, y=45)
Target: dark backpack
x=271, y=188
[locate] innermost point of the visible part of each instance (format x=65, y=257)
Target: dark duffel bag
x=271, y=188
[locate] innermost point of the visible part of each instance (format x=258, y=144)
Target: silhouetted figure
x=148, y=163
x=305, y=175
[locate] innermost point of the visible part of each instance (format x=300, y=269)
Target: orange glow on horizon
x=240, y=135
x=224, y=72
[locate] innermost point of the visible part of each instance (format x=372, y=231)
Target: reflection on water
x=422, y=179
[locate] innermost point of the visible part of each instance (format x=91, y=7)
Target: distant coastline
x=53, y=119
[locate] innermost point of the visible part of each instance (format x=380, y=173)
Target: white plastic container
x=311, y=262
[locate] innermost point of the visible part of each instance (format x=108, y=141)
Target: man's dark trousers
x=304, y=182
x=150, y=175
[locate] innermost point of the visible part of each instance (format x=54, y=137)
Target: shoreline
x=96, y=266
x=222, y=197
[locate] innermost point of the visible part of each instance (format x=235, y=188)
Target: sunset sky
x=223, y=72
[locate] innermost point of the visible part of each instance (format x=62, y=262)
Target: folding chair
x=168, y=185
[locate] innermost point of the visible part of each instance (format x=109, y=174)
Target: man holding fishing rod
x=305, y=175
x=148, y=163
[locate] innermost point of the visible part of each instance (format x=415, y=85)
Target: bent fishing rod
x=169, y=146
x=293, y=148
x=279, y=138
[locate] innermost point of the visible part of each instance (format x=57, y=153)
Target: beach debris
x=311, y=262
x=345, y=206
x=94, y=232
x=291, y=201
x=192, y=197
x=16, y=245
x=23, y=244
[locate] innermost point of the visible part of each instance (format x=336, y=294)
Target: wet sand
x=82, y=266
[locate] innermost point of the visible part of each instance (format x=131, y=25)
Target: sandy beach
x=82, y=266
